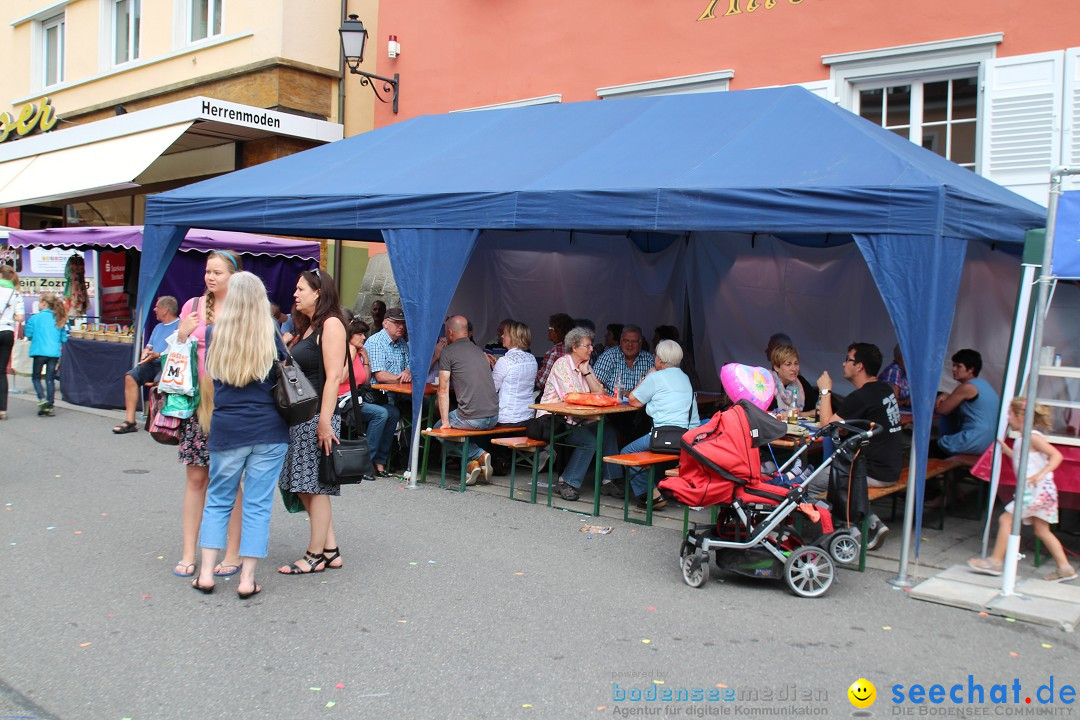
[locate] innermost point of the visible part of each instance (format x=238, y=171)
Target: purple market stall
x=92, y=370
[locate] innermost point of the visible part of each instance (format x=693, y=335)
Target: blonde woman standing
x=247, y=435
x=195, y=317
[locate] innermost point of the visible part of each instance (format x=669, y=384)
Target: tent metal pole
x=1012, y=373
x=1012, y=554
x=902, y=580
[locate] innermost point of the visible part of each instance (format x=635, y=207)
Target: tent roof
x=779, y=160
x=130, y=236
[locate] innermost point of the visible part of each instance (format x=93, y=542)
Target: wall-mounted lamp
x=353, y=38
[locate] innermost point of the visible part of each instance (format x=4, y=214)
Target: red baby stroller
x=762, y=530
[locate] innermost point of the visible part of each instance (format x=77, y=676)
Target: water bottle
x=616, y=389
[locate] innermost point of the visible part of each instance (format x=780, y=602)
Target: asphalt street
x=449, y=606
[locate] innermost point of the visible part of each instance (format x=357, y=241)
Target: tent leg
x=902, y=580
x=414, y=456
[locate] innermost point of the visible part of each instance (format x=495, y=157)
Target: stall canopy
x=779, y=161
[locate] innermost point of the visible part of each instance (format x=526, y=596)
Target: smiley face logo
x=862, y=693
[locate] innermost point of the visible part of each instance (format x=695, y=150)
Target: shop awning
x=96, y=167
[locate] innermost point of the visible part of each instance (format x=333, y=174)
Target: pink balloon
x=746, y=381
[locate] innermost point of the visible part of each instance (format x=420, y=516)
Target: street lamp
x=353, y=38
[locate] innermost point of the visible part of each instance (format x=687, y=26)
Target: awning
x=84, y=169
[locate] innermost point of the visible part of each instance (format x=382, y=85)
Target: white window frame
x=133, y=38
x=527, y=102
x=716, y=81
x=913, y=65
x=187, y=24
x=59, y=22
x=915, y=118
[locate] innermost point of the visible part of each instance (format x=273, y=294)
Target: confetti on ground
x=651, y=607
x=1010, y=619
x=886, y=627
x=160, y=557
x=721, y=685
x=984, y=614
x=412, y=563
x=8, y=504
x=147, y=597
x=601, y=708
x=331, y=704
x=51, y=527
x=57, y=476
x=1014, y=654
x=430, y=562
x=340, y=686
x=1047, y=645
x=402, y=622
x=645, y=641
x=657, y=682
x=85, y=644
x=595, y=529
x=526, y=706
x=104, y=514
x=519, y=574
x=78, y=532
x=314, y=689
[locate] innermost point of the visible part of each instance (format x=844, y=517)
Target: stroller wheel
x=695, y=568
x=809, y=571
x=844, y=549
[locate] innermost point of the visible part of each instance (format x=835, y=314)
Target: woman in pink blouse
x=573, y=373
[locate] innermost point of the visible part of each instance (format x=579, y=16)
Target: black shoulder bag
x=666, y=438
x=295, y=396
x=350, y=460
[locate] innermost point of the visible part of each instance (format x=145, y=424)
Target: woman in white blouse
x=11, y=314
x=514, y=374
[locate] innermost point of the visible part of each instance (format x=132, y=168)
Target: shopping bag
x=178, y=372
x=21, y=364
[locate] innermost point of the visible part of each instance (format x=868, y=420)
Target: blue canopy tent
x=776, y=161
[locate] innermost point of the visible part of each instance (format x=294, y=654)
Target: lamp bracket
x=390, y=86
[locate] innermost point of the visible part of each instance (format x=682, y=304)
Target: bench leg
x=442, y=475
x=513, y=471
x=424, y=463
x=535, y=462
x=464, y=463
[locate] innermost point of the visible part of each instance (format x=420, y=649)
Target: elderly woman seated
x=668, y=398
x=573, y=373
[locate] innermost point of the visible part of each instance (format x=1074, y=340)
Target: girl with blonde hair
x=47, y=331
x=247, y=436
x=1040, y=506
x=195, y=317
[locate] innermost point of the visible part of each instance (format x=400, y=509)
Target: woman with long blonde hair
x=247, y=436
x=195, y=317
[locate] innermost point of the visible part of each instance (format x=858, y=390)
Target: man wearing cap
x=388, y=351
x=149, y=366
x=464, y=364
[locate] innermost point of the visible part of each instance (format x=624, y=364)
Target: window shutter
x=1070, y=142
x=1022, y=133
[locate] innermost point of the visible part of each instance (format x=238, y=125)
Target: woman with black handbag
x=248, y=437
x=381, y=419
x=319, y=344
x=668, y=398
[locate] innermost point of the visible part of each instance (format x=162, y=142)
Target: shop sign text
x=737, y=7
x=30, y=119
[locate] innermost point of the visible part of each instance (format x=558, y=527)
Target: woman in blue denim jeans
x=247, y=437
x=381, y=420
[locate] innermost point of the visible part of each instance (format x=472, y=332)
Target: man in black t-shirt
x=872, y=400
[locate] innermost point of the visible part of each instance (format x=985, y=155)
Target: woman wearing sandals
x=320, y=344
x=195, y=317
x=247, y=435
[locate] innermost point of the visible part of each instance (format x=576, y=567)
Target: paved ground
x=450, y=606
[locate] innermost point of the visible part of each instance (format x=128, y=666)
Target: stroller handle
x=861, y=431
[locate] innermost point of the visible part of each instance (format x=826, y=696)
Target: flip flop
x=190, y=567
x=253, y=593
x=220, y=570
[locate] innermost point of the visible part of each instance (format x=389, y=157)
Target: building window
x=938, y=114
x=127, y=17
x=205, y=18
x=52, y=45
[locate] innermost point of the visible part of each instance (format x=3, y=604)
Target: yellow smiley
x=862, y=693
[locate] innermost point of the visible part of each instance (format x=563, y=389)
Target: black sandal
x=125, y=427
x=329, y=556
x=311, y=559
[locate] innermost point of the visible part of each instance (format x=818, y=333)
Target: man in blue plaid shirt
x=388, y=351
x=626, y=363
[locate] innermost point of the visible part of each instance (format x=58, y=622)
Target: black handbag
x=372, y=396
x=350, y=460
x=294, y=395
x=666, y=438
x=539, y=428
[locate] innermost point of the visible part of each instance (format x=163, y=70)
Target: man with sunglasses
x=871, y=400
